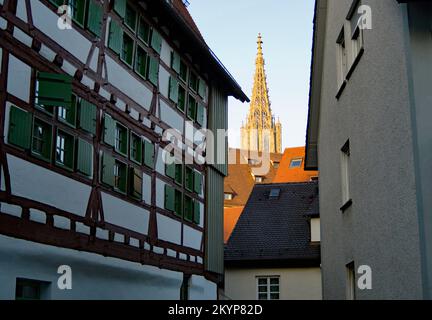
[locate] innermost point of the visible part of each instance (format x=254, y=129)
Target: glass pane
x=262, y=288
x=274, y=288
x=262, y=296
x=274, y=296
x=274, y=281
x=262, y=281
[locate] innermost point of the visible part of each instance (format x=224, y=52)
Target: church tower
x=261, y=132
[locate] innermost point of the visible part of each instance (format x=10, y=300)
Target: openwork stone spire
x=261, y=132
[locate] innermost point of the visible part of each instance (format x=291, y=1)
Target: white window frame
x=228, y=196
x=342, y=58
x=350, y=281
x=259, y=179
x=268, y=285
x=60, y=148
x=345, y=172
x=296, y=160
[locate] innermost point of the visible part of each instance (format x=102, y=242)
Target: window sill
x=341, y=89
x=355, y=63
x=346, y=205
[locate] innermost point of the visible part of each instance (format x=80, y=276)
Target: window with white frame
x=228, y=196
x=258, y=179
x=355, y=22
x=345, y=165
x=342, y=58
x=296, y=163
x=268, y=288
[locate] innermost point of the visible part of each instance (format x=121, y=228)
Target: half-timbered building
x=88, y=90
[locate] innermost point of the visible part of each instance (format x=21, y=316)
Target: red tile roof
x=287, y=174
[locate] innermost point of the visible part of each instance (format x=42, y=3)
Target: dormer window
x=296, y=163
x=228, y=196
x=276, y=165
x=315, y=230
x=258, y=179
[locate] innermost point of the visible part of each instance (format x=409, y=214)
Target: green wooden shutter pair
x=110, y=130
x=115, y=40
x=200, y=114
x=188, y=209
x=197, y=182
x=136, y=183
x=153, y=70
x=149, y=154
x=175, y=61
x=202, y=88
x=20, y=126
x=173, y=89
x=85, y=158
x=54, y=90
x=197, y=212
x=156, y=41
x=120, y=7
x=95, y=17
x=88, y=116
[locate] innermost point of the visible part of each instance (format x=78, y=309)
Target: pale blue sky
x=230, y=28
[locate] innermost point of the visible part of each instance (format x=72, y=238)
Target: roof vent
x=274, y=193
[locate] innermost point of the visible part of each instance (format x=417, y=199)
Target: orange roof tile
x=231, y=216
x=287, y=174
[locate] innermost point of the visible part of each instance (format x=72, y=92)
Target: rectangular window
x=67, y=114
x=189, y=179
x=228, y=196
x=198, y=182
x=136, y=148
x=136, y=183
x=202, y=89
x=197, y=212
x=179, y=174
x=345, y=157
x=120, y=176
x=42, y=139
x=183, y=71
x=78, y=11
x=350, y=281
x=192, y=107
x=268, y=288
x=20, y=125
x=355, y=22
x=342, y=58
x=188, y=209
x=121, y=139
x=141, y=62
x=193, y=82
x=120, y=7
x=26, y=289
x=143, y=31
x=296, y=163
x=315, y=230
x=175, y=62
x=156, y=41
x=173, y=200
x=258, y=179
x=128, y=48
x=200, y=114
x=131, y=17
x=173, y=89
x=65, y=144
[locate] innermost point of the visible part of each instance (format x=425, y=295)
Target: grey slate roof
x=276, y=232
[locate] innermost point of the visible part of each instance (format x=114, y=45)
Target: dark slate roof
x=276, y=232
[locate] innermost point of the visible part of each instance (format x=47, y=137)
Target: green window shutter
x=78, y=11
x=127, y=50
x=143, y=31
x=120, y=7
x=202, y=88
x=135, y=183
x=108, y=163
x=88, y=115
x=115, y=41
x=197, y=182
x=20, y=126
x=141, y=62
x=169, y=198
x=54, y=90
x=175, y=61
x=173, y=89
x=149, y=154
x=188, y=209
x=197, y=212
x=153, y=70
x=200, y=114
x=95, y=16
x=156, y=41
x=170, y=170
x=110, y=130
x=85, y=158
x=189, y=179
x=179, y=174
x=178, y=203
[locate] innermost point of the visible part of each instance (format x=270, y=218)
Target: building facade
x=88, y=91
x=369, y=135
x=261, y=132
x=274, y=250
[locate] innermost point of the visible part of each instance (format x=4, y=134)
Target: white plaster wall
x=295, y=283
x=21, y=11
x=169, y=229
x=171, y=117
x=165, y=54
x=19, y=79
x=202, y=289
x=93, y=276
x=125, y=214
x=22, y=37
x=160, y=193
x=3, y=23
x=192, y=238
x=37, y=183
